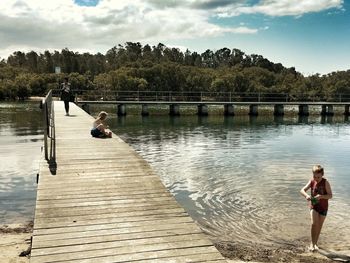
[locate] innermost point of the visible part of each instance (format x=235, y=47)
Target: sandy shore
x=15, y=239
x=255, y=253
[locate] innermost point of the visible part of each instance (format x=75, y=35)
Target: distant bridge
x=202, y=99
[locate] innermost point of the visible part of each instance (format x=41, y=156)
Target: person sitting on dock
x=99, y=129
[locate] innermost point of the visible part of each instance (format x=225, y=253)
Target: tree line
x=132, y=66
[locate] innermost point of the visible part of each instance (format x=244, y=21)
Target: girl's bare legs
x=101, y=128
x=107, y=132
x=321, y=219
x=316, y=226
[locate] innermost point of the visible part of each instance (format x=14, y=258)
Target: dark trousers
x=66, y=105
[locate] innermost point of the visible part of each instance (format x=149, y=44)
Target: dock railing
x=48, y=114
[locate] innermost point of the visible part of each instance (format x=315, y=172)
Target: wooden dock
x=106, y=204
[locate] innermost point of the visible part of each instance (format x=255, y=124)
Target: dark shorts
x=96, y=133
x=322, y=213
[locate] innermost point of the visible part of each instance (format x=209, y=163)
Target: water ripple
x=243, y=181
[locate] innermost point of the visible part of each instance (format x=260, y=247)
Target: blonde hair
x=317, y=169
x=102, y=115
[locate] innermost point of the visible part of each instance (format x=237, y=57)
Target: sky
x=311, y=35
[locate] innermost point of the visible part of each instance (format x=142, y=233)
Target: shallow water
x=240, y=177
x=20, y=149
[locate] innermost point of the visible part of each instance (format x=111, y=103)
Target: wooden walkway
x=106, y=204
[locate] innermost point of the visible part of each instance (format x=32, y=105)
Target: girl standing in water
x=320, y=193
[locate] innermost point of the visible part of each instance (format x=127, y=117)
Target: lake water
x=21, y=138
x=238, y=177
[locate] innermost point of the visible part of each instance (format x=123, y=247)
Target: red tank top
x=319, y=189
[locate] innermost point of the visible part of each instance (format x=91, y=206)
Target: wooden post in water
x=144, y=111
x=278, y=110
x=327, y=110
x=253, y=110
x=346, y=110
x=303, y=110
x=330, y=110
x=202, y=110
x=174, y=110
x=228, y=110
x=121, y=110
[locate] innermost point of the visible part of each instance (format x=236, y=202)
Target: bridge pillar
x=278, y=110
x=303, y=119
x=303, y=110
x=346, y=110
x=326, y=119
x=86, y=107
x=327, y=110
x=228, y=110
x=253, y=110
x=144, y=111
x=121, y=111
x=174, y=110
x=202, y=110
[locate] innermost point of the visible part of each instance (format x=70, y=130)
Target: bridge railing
x=48, y=114
x=138, y=95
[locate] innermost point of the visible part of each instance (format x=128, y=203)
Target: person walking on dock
x=320, y=193
x=66, y=94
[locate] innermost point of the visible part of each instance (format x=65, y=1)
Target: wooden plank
x=138, y=250
x=206, y=257
x=114, y=231
x=103, y=197
x=99, y=189
x=123, y=223
x=106, y=204
x=196, y=254
x=112, y=201
x=170, y=231
x=118, y=244
x=117, y=186
x=134, y=194
x=62, y=221
x=82, y=214
x=126, y=210
x=104, y=222
x=60, y=182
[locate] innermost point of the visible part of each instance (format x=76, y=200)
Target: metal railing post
x=44, y=111
x=49, y=127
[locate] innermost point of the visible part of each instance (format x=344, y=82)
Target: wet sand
x=254, y=252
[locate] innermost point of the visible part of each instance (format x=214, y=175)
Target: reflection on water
x=240, y=177
x=20, y=143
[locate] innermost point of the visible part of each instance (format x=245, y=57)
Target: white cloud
x=281, y=7
x=48, y=25
x=56, y=24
